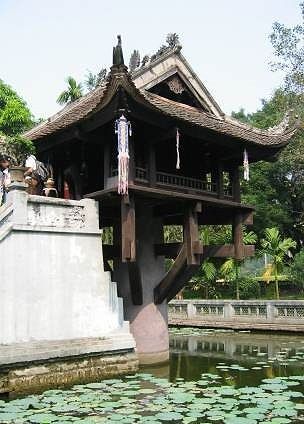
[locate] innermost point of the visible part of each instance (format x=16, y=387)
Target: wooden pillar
x=237, y=230
x=219, y=179
x=235, y=182
x=128, y=239
x=106, y=162
x=191, y=235
x=152, y=165
x=131, y=160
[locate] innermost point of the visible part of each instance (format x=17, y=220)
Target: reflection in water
x=241, y=358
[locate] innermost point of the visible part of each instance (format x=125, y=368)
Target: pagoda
x=154, y=149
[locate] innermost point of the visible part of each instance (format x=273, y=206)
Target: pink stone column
x=148, y=322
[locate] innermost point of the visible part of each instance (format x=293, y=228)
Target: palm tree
x=205, y=276
x=231, y=267
x=73, y=92
x=277, y=248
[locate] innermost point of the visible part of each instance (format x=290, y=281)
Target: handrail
x=163, y=178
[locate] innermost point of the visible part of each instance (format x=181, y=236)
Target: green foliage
x=18, y=148
x=276, y=189
x=204, y=280
x=296, y=270
x=15, y=116
x=173, y=233
x=94, y=80
x=277, y=248
x=288, y=45
x=72, y=93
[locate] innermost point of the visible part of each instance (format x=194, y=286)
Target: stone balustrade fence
x=255, y=314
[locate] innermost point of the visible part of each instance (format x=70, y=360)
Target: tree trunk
x=277, y=292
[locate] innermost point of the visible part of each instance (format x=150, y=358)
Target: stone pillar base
x=153, y=358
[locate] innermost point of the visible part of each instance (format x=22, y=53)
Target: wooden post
x=191, y=235
x=219, y=178
x=237, y=230
x=106, y=162
x=152, y=165
x=128, y=239
x=236, y=187
x=131, y=160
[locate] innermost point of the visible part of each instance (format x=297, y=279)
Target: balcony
x=174, y=182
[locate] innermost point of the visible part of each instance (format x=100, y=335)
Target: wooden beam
x=170, y=250
x=191, y=235
x=247, y=218
x=128, y=239
x=158, y=193
x=177, y=276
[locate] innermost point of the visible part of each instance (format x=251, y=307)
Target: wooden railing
x=164, y=179
x=185, y=182
x=141, y=174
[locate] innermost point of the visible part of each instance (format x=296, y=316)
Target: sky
x=225, y=41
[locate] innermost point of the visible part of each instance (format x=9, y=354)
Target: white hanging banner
x=246, y=165
x=123, y=130
x=177, y=150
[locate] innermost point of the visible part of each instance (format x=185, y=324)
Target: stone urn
x=17, y=174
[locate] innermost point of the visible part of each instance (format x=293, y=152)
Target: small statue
x=118, y=59
x=50, y=190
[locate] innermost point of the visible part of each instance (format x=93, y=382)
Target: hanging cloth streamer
x=246, y=165
x=177, y=150
x=123, y=130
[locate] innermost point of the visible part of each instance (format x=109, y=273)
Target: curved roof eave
x=97, y=99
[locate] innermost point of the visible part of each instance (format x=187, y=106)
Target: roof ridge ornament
x=282, y=126
x=118, y=59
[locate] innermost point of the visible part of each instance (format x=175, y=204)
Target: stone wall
x=53, y=285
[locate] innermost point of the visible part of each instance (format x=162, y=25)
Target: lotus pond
x=214, y=376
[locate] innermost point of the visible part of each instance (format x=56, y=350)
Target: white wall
x=53, y=285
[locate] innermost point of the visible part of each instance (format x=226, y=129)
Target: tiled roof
x=224, y=125
x=82, y=108
x=69, y=115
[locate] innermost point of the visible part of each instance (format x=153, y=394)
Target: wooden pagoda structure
x=162, y=100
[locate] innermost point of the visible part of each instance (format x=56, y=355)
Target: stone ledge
x=67, y=372
x=237, y=325
x=37, y=351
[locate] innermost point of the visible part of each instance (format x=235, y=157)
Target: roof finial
x=118, y=59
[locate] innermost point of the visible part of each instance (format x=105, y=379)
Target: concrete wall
x=252, y=314
x=53, y=285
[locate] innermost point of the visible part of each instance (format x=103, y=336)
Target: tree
x=277, y=248
x=288, y=45
x=72, y=93
x=94, y=80
x=206, y=275
x=15, y=116
x=134, y=62
x=277, y=189
x=296, y=270
x=232, y=266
